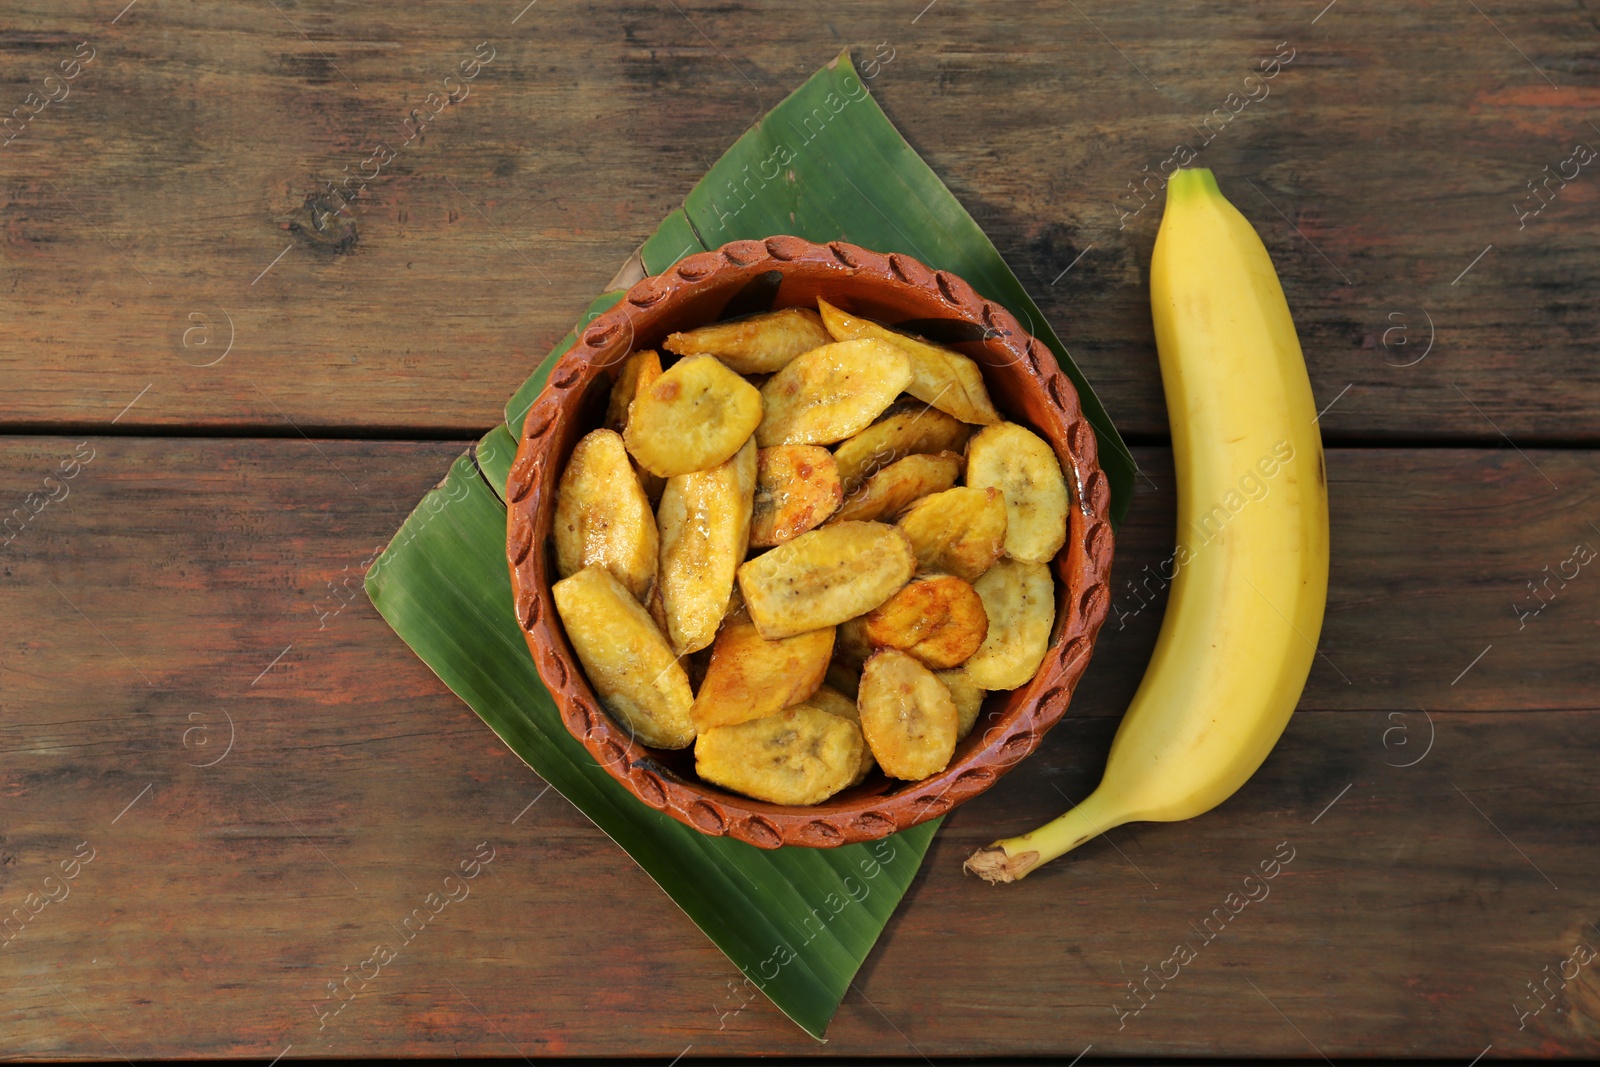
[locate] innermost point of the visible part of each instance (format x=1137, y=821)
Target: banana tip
x=1192, y=181
x=994, y=865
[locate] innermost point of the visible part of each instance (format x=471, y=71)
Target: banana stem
x=1011, y=859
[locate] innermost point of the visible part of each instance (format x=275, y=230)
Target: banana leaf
x=797, y=922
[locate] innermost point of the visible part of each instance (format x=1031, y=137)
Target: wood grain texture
x=160, y=210
x=219, y=905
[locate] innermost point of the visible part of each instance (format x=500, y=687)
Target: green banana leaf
x=797, y=922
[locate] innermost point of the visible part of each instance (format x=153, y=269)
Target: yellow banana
x=1251, y=581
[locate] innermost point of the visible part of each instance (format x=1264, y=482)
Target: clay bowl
x=749, y=276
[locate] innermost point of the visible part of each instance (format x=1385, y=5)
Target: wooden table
x=254, y=405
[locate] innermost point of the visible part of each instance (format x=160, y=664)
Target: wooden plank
x=160, y=250
x=221, y=900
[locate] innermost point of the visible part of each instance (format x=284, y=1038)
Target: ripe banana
x=1247, y=600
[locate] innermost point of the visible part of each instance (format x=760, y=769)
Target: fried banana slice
x=705, y=528
x=899, y=484
x=824, y=577
x=833, y=702
x=602, y=515
x=967, y=695
x=751, y=677
x=1023, y=466
x=907, y=716
x=946, y=379
x=627, y=661
x=692, y=418
x=939, y=620
x=1020, y=601
x=960, y=531
x=797, y=756
x=797, y=486
x=759, y=344
x=830, y=393
x=639, y=372
x=904, y=430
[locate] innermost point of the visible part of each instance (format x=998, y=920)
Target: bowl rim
x=1082, y=566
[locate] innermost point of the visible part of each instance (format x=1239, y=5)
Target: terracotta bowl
x=749, y=276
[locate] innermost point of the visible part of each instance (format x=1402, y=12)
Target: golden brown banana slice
x=602, y=515
x=946, y=379
x=899, y=484
x=751, y=677
x=1023, y=466
x=904, y=430
x=627, y=661
x=797, y=756
x=639, y=371
x=960, y=531
x=907, y=716
x=1020, y=601
x=693, y=417
x=824, y=577
x=940, y=620
x=830, y=393
x=797, y=486
x=759, y=344
x=705, y=528
x=833, y=702
x=968, y=698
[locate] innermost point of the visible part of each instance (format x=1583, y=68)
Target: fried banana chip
x=759, y=344
x=940, y=620
x=830, y=393
x=639, y=372
x=797, y=486
x=1023, y=466
x=960, y=531
x=751, y=677
x=967, y=695
x=946, y=379
x=833, y=702
x=797, y=756
x=633, y=671
x=693, y=417
x=899, y=484
x=904, y=430
x=602, y=515
x=705, y=528
x=823, y=577
x=1019, y=599
x=907, y=716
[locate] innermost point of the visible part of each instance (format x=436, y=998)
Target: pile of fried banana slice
x=810, y=547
